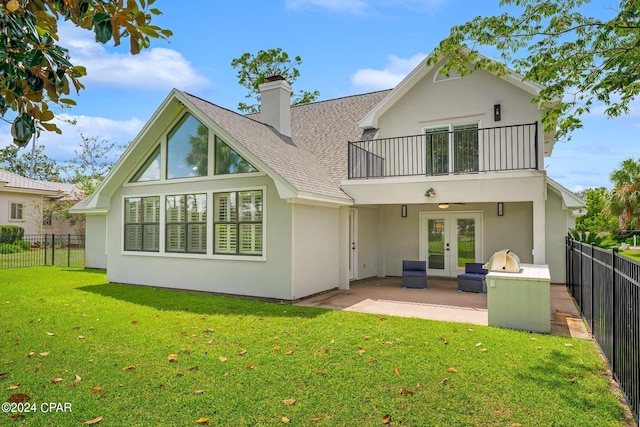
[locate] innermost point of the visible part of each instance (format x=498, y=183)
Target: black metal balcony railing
x=441, y=152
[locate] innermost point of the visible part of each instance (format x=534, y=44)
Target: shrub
x=23, y=244
x=8, y=248
x=11, y=233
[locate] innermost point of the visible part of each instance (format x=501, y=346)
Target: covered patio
x=441, y=301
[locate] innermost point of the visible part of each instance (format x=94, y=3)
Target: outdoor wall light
x=497, y=112
x=443, y=205
x=500, y=209
x=430, y=192
x=403, y=211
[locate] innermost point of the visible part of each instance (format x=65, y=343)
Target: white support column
x=539, y=232
x=344, y=249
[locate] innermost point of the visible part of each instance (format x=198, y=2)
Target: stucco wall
x=457, y=101
x=268, y=277
x=512, y=231
x=368, y=242
x=557, y=225
x=96, y=241
x=27, y=221
x=315, y=249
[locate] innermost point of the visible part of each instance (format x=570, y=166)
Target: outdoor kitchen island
x=520, y=300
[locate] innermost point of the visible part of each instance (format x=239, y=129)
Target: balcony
x=439, y=151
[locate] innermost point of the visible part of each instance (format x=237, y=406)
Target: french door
x=449, y=240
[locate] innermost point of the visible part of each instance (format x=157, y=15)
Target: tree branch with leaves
x=36, y=70
x=580, y=59
x=253, y=70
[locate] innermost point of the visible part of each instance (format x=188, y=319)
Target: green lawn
x=238, y=361
x=633, y=254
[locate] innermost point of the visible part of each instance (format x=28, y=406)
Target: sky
x=347, y=47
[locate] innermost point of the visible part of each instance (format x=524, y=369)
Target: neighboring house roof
x=17, y=183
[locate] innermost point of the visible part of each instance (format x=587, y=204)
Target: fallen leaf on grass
x=13, y=387
x=16, y=416
x=444, y=381
x=51, y=334
x=251, y=367
x=81, y=337
x=452, y=370
x=198, y=392
x=93, y=421
x=386, y=419
x=9, y=362
x=242, y=353
x=3, y=374
x=129, y=367
x=470, y=330
x=193, y=368
x=135, y=322
x=396, y=371
x=315, y=420
x=96, y=389
x=57, y=380
x=370, y=361
x=286, y=420
x=222, y=359
x=516, y=425
x=31, y=354
x=289, y=401
x=483, y=350
x=78, y=378
x=76, y=327
x=288, y=352
x=172, y=357
x=568, y=345
x=19, y=398
x=366, y=337
x=44, y=354
x=202, y=421
x=444, y=339
x=407, y=393
x=361, y=352
x=276, y=348
x=319, y=372
x=388, y=342
x=478, y=344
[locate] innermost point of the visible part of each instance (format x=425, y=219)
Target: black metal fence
x=441, y=152
x=62, y=250
x=606, y=287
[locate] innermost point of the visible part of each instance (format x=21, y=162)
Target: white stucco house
x=298, y=200
x=23, y=203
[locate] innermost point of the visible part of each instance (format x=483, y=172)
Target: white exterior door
x=449, y=240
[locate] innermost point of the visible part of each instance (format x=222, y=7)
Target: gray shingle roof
x=314, y=159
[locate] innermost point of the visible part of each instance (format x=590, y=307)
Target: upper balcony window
x=452, y=149
x=187, y=149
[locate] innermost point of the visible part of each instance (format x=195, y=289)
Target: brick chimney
x=275, y=104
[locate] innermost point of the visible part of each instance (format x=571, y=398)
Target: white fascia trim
x=316, y=200
x=92, y=200
x=570, y=201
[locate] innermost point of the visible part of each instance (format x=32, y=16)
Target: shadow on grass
x=197, y=302
x=563, y=373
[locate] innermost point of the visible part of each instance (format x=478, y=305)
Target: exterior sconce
x=443, y=205
x=403, y=211
x=497, y=113
x=500, y=209
x=430, y=192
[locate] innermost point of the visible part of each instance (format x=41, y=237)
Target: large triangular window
x=228, y=161
x=150, y=170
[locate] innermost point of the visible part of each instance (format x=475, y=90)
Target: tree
x=92, y=159
x=580, y=59
x=35, y=69
x=624, y=199
x=597, y=219
x=253, y=70
x=45, y=168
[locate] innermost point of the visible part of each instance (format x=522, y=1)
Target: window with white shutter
x=238, y=223
x=142, y=224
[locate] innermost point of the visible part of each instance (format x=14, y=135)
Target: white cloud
x=61, y=147
x=153, y=69
x=395, y=70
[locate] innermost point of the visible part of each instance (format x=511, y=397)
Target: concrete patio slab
x=441, y=301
